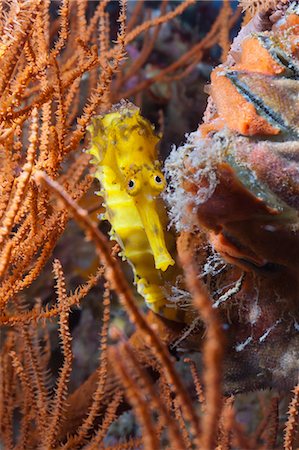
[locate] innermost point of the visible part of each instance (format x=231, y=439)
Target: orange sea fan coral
x=58, y=69
x=42, y=96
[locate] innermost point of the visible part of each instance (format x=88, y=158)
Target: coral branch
x=213, y=350
x=292, y=422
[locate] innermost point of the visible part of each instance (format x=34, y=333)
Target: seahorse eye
x=157, y=181
x=131, y=184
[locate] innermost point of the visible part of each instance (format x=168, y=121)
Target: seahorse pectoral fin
x=147, y=209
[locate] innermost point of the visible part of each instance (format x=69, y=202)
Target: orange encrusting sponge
x=256, y=58
x=292, y=21
x=238, y=113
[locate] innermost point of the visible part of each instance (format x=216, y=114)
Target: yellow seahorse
x=124, y=147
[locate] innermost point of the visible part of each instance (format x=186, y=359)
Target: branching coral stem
x=150, y=439
x=42, y=314
x=88, y=422
x=292, y=422
x=212, y=352
x=63, y=379
x=23, y=180
x=158, y=20
x=176, y=439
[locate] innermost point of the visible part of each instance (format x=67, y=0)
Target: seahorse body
x=124, y=147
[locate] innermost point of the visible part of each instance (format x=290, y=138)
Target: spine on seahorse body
x=124, y=149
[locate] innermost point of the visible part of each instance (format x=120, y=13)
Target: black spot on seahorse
x=155, y=229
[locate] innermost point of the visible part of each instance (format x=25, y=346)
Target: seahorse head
x=127, y=143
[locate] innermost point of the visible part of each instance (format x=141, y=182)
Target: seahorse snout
x=148, y=212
